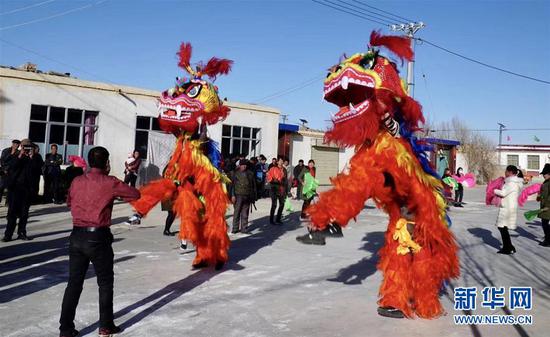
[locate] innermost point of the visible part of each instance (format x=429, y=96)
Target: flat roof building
x=78, y=114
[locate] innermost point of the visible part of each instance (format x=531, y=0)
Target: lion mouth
x=351, y=91
x=179, y=109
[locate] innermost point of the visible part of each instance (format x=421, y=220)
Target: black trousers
x=280, y=197
x=459, y=194
x=3, y=183
x=52, y=188
x=305, y=205
x=86, y=247
x=19, y=202
x=299, y=194
x=506, y=240
x=130, y=179
x=169, y=220
x=546, y=229
x=242, y=209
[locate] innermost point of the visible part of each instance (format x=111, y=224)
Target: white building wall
x=544, y=157
x=116, y=120
x=301, y=149
x=256, y=117
x=461, y=162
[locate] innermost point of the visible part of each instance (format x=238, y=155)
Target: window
x=533, y=162
x=73, y=130
x=513, y=159
x=144, y=125
x=240, y=140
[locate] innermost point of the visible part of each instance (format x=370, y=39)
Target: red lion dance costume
x=192, y=178
x=378, y=118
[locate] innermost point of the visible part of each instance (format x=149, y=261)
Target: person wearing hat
x=544, y=198
x=20, y=191
x=7, y=154
x=243, y=193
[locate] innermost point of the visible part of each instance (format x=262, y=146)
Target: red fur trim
x=412, y=112
x=216, y=66
x=216, y=116
x=399, y=45
x=185, y=55
x=358, y=130
x=411, y=282
x=152, y=194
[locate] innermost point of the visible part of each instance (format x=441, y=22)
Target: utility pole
x=284, y=117
x=409, y=29
x=501, y=127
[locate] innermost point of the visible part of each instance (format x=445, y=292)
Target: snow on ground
x=272, y=286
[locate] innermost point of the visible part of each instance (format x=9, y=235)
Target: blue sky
x=281, y=44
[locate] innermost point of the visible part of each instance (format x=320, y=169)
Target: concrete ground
x=273, y=286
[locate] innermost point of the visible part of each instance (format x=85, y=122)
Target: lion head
x=365, y=87
x=193, y=100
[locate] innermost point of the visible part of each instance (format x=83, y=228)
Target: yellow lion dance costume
x=390, y=165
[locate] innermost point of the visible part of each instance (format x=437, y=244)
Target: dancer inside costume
x=193, y=179
x=378, y=118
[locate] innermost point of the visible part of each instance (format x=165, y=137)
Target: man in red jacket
x=91, y=199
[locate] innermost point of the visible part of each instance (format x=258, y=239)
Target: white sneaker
x=133, y=220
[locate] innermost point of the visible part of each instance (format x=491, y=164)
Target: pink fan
x=490, y=197
x=467, y=180
x=78, y=161
x=529, y=190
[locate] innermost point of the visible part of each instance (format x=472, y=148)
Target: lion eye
x=194, y=90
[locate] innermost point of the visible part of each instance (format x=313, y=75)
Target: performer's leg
x=396, y=269
x=169, y=221
x=215, y=229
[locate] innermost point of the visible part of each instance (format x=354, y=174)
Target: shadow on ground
x=359, y=271
x=46, y=268
x=264, y=235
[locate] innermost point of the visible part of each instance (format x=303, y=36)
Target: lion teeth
x=345, y=82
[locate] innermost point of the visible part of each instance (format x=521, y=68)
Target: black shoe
x=200, y=265
x=235, y=231
x=313, y=238
x=72, y=333
x=219, y=265
x=333, y=230
x=390, y=312
x=109, y=332
x=544, y=243
x=183, y=246
x=6, y=239
x=168, y=233
x=23, y=237
x=507, y=252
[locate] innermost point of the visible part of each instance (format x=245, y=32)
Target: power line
x=383, y=11
x=351, y=13
x=363, y=11
x=482, y=63
x=27, y=7
x=52, y=16
x=290, y=89
x=390, y=18
x=51, y=59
